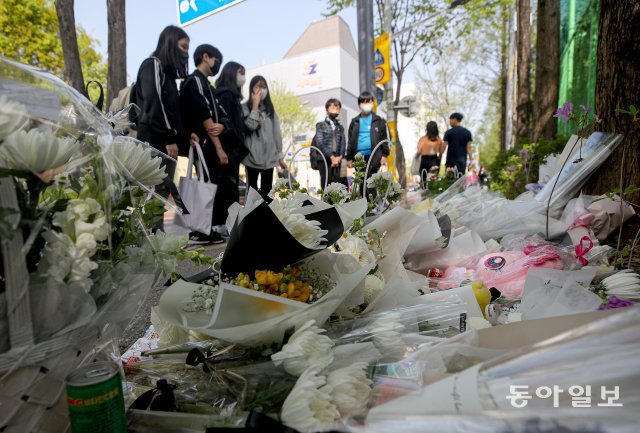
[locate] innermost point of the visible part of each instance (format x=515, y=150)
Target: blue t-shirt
x=364, y=135
x=457, y=138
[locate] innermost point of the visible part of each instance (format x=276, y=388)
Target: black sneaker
x=197, y=238
x=215, y=238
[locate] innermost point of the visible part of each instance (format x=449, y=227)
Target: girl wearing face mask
x=262, y=139
x=156, y=93
x=229, y=96
x=329, y=138
x=365, y=132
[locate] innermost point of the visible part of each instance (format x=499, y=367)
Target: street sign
x=382, y=58
x=190, y=11
x=409, y=106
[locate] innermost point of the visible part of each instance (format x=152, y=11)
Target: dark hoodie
x=232, y=138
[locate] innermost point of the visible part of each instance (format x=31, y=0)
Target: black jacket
x=198, y=104
x=378, y=134
x=232, y=138
x=159, y=121
x=324, y=140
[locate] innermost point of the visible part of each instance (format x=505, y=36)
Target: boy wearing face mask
x=365, y=132
x=330, y=139
x=202, y=116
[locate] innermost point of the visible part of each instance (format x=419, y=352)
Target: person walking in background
x=365, y=132
x=156, y=94
x=330, y=139
x=429, y=147
x=457, y=142
x=201, y=116
x=263, y=138
x=228, y=94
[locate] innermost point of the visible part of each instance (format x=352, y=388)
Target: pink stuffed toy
x=507, y=270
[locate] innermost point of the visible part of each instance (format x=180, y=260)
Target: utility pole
x=365, y=45
x=388, y=86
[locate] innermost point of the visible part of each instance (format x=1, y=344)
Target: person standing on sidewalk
x=457, y=141
x=156, y=94
x=263, y=138
x=202, y=117
x=330, y=139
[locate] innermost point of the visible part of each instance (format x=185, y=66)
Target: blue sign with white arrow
x=190, y=11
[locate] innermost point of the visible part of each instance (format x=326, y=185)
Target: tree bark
x=523, y=44
x=504, y=60
x=399, y=157
x=547, y=69
x=67, y=26
x=618, y=86
x=117, y=49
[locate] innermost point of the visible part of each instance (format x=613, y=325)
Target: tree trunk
x=618, y=86
x=547, y=69
x=117, y=49
x=523, y=44
x=67, y=26
x=399, y=157
x=504, y=60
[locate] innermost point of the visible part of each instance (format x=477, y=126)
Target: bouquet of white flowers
x=76, y=246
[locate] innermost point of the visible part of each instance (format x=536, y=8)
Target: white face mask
x=366, y=108
x=240, y=80
x=263, y=94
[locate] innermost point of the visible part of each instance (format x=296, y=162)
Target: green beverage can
x=95, y=399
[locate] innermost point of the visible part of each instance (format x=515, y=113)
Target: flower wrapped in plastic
x=75, y=226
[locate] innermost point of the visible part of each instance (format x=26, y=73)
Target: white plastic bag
x=197, y=195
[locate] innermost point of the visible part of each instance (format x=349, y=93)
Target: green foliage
x=295, y=117
x=513, y=169
x=30, y=35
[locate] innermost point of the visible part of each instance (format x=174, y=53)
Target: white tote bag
x=197, y=196
x=415, y=164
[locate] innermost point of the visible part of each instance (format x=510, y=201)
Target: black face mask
x=184, y=56
x=333, y=116
x=215, y=69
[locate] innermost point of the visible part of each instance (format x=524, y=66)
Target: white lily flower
x=387, y=338
x=373, y=285
x=306, y=348
x=36, y=151
x=356, y=247
x=13, y=116
x=350, y=388
x=307, y=232
x=308, y=407
x=135, y=161
x=624, y=284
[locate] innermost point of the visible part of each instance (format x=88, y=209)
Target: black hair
x=268, y=105
x=228, y=78
x=169, y=53
x=365, y=96
x=456, y=116
x=432, y=131
x=332, y=101
x=211, y=51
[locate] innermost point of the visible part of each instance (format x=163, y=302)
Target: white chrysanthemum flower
x=624, y=284
x=307, y=232
x=383, y=182
x=306, y=348
x=279, y=183
x=82, y=216
x=136, y=162
x=308, y=407
x=13, y=116
x=350, y=388
x=337, y=192
x=373, y=286
x=356, y=247
x=387, y=337
x=36, y=151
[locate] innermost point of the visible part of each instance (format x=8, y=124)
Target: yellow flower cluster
x=284, y=284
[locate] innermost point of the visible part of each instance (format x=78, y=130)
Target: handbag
x=197, y=195
x=415, y=164
x=343, y=167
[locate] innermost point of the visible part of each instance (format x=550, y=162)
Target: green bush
x=517, y=167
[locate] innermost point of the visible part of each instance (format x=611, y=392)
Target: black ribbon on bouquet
x=260, y=241
x=160, y=398
x=257, y=423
